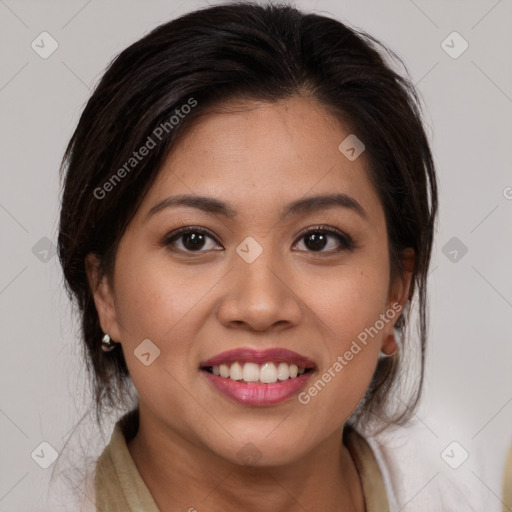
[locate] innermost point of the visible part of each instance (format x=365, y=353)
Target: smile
x=266, y=373
x=259, y=378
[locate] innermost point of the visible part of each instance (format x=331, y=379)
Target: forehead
x=263, y=155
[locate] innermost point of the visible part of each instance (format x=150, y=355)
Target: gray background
x=468, y=393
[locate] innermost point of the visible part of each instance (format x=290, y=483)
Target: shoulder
x=117, y=482
x=370, y=473
x=432, y=467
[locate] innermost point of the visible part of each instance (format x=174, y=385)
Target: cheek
x=152, y=298
x=166, y=304
x=349, y=300
x=349, y=305
x=158, y=303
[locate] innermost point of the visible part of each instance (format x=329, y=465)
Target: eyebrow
x=300, y=206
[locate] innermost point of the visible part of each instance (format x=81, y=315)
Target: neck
x=182, y=475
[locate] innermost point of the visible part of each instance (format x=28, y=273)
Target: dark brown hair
x=250, y=52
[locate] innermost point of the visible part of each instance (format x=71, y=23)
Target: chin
x=261, y=452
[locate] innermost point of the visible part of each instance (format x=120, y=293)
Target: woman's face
x=248, y=279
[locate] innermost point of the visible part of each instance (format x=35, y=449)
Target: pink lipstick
x=258, y=377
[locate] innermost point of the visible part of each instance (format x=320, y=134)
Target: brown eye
x=193, y=241
x=319, y=238
x=190, y=239
x=316, y=241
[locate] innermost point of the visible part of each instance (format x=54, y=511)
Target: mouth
x=259, y=378
x=266, y=373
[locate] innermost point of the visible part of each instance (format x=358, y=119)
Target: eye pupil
x=315, y=241
x=193, y=240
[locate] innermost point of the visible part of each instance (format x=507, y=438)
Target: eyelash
x=346, y=242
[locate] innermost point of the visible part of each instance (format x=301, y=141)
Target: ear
x=103, y=295
x=398, y=296
x=400, y=287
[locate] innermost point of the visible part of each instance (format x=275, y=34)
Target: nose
x=260, y=296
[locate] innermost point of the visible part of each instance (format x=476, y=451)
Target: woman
x=248, y=211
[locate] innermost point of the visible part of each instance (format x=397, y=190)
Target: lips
x=247, y=355
x=258, y=377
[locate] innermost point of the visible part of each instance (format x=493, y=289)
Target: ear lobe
x=103, y=296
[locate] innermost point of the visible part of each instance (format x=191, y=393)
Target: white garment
x=418, y=478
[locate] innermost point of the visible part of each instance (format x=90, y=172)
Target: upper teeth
x=267, y=373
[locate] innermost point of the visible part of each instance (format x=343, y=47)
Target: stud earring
x=107, y=343
x=384, y=355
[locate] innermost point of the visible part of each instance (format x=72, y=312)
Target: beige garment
x=117, y=482
x=507, y=483
x=119, y=486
